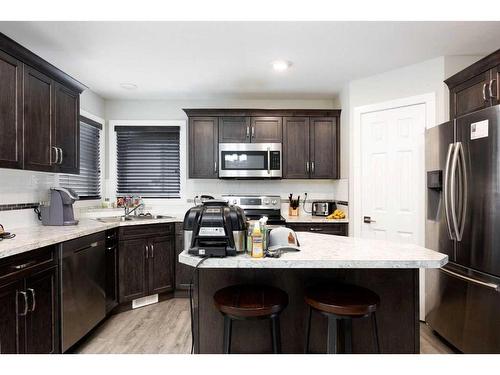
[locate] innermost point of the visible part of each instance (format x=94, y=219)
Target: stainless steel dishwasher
x=83, y=278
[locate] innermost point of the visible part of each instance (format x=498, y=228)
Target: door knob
x=368, y=220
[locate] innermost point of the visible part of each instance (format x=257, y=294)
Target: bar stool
x=251, y=302
x=341, y=303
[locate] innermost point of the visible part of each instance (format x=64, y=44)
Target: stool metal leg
x=276, y=334
x=332, y=335
x=308, y=329
x=347, y=326
x=227, y=334
x=375, y=332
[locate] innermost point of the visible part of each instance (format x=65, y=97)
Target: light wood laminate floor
x=165, y=328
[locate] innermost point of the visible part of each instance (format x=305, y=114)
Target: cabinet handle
x=491, y=90
x=484, y=91
x=316, y=229
x=312, y=167
x=24, y=265
x=307, y=166
x=147, y=251
x=25, y=303
x=110, y=248
x=248, y=131
x=33, y=299
x=61, y=155
x=152, y=251
x=57, y=155
x=215, y=167
x=253, y=132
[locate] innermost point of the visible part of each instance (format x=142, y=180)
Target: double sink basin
x=116, y=219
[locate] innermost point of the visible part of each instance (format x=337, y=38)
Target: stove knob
x=235, y=201
x=274, y=202
x=266, y=202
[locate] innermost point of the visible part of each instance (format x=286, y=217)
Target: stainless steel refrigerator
x=463, y=221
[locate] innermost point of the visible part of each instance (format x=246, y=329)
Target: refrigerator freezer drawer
x=463, y=309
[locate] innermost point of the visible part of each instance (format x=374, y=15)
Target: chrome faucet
x=129, y=210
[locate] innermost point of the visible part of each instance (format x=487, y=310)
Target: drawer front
x=23, y=264
x=338, y=229
x=83, y=242
x=141, y=231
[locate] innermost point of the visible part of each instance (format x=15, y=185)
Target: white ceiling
x=199, y=60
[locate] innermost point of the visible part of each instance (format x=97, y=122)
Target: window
x=88, y=183
x=148, y=161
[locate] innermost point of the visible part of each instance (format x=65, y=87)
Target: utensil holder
x=293, y=211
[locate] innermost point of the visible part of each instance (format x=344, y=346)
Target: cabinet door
x=43, y=313
x=296, y=147
x=39, y=154
x=161, y=265
x=266, y=130
x=470, y=96
x=234, y=129
x=203, y=144
x=12, y=306
x=132, y=269
x=67, y=129
x=324, y=149
x=183, y=273
x=11, y=112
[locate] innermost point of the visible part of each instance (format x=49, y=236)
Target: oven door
x=250, y=160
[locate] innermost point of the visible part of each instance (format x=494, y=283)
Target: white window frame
x=112, y=156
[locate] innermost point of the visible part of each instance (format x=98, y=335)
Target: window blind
x=148, y=161
x=88, y=183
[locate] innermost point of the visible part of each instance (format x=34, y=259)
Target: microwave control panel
x=275, y=161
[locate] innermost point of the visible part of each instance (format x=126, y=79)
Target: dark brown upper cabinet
x=39, y=152
x=67, y=129
x=234, y=129
x=39, y=109
x=311, y=147
x=324, y=147
x=296, y=144
x=266, y=129
x=476, y=87
x=11, y=112
x=203, y=145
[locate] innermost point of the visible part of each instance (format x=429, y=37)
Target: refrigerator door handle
x=453, y=211
x=464, y=191
x=493, y=286
x=447, y=190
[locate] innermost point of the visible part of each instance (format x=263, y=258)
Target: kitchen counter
x=327, y=251
x=313, y=219
x=34, y=237
x=389, y=269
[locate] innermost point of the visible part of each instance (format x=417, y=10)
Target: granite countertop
x=313, y=219
x=327, y=251
x=34, y=237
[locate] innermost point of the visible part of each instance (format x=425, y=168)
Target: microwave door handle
x=447, y=189
x=268, y=160
x=453, y=210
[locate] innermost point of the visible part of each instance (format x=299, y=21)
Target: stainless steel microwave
x=250, y=160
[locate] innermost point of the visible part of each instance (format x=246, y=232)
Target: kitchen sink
x=116, y=219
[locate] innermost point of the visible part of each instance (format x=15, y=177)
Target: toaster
x=323, y=208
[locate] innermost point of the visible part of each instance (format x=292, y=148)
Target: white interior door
x=392, y=174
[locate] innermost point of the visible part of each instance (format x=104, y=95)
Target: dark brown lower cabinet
x=145, y=261
x=29, y=307
x=337, y=229
x=111, y=269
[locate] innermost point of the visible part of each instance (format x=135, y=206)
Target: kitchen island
x=389, y=269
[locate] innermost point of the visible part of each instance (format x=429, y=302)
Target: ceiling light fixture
x=281, y=65
x=128, y=86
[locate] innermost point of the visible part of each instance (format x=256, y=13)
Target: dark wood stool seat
x=342, y=299
x=250, y=302
x=341, y=303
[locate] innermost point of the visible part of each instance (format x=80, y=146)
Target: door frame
x=355, y=201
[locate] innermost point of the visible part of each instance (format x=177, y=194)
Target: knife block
x=293, y=211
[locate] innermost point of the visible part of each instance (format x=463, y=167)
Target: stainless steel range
x=257, y=206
